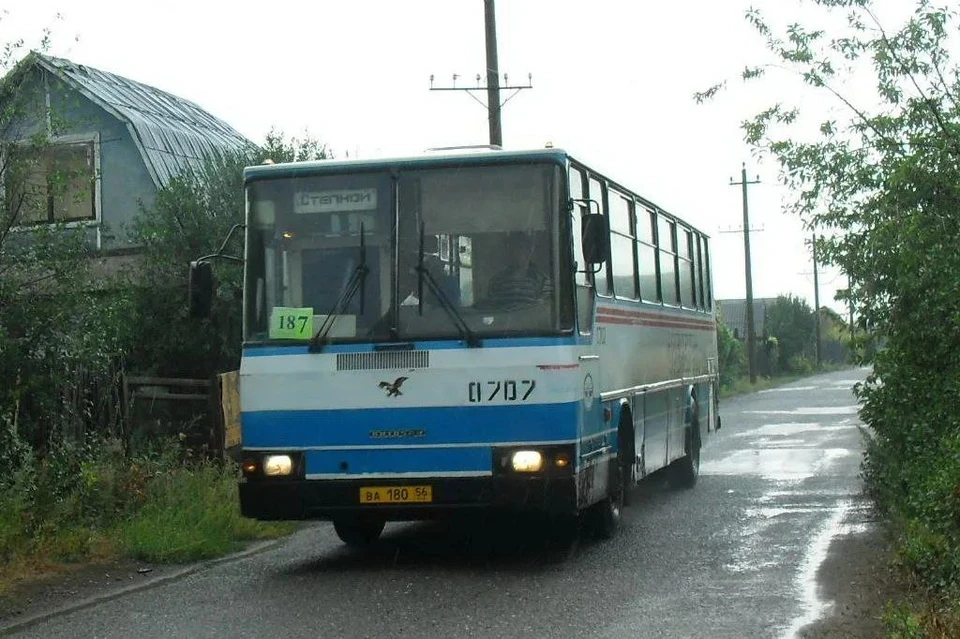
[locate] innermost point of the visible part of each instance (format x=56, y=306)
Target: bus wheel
x=358, y=531
x=608, y=511
x=685, y=471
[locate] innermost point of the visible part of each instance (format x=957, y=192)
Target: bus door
x=593, y=440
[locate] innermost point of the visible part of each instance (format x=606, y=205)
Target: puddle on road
x=775, y=464
x=812, y=605
x=786, y=429
x=781, y=428
x=787, y=389
x=809, y=410
x=767, y=442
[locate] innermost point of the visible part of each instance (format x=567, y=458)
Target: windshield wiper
x=423, y=275
x=357, y=282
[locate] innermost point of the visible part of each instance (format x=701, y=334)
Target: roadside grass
x=74, y=509
x=921, y=617
x=742, y=385
x=192, y=514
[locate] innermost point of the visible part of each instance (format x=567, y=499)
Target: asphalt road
x=737, y=556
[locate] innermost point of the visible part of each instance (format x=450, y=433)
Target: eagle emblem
x=393, y=389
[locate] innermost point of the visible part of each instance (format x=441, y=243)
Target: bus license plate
x=396, y=494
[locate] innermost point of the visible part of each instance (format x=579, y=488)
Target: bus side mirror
x=596, y=238
x=200, y=289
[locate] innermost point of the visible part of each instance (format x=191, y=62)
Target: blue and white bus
x=470, y=330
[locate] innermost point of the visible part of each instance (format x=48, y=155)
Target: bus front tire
x=609, y=511
x=358, y=531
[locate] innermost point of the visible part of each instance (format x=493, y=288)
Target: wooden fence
x=203, y=413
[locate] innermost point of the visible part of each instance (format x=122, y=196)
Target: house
x=733, y=313
x=112, y=143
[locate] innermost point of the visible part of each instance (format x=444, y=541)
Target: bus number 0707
x=508, y=390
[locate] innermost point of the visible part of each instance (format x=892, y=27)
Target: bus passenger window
x=668, y=261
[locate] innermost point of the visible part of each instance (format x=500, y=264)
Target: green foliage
x=881, y=181
x=80, y=501
x=731, y=355
x=900, y=623
x=191, y=218
x=68, y=484
x=192, y=514
x=791, y=320
x=54, y=505
x=53, y=333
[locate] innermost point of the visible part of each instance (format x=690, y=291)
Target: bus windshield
x=432, y=254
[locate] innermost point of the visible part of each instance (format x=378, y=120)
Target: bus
x=466, y=331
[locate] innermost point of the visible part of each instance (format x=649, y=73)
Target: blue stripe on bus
x=437, y=345
x=442, y=425
x=413, y=460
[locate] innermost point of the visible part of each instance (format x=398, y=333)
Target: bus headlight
x=277, y=465
x=527, y=461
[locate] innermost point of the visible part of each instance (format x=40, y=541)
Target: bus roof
x=429, y=159
x=436, y=159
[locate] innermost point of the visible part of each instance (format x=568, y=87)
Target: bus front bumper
x=326, y=499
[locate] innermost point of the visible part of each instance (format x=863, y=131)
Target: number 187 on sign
x=291, y=323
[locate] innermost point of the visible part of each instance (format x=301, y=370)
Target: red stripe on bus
x=665, y=323
x=608, y=311
x=557, y=367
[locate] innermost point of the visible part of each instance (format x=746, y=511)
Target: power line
x=492, y=87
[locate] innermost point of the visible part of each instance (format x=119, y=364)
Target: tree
x=731, y=356
x=191, y=217
x=51, y=335
x=880, y=177
x=791, y=320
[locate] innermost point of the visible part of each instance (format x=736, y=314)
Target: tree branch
x=935, y=112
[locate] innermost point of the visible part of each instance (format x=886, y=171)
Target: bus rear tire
x=685, y=472
x=358, y=532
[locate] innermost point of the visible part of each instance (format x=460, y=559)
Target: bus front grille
x=383, y=361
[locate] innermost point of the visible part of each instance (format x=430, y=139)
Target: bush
x=731, y=355
x=801, y=365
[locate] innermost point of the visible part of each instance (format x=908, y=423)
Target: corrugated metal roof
x=733, y=313
x=172, y=134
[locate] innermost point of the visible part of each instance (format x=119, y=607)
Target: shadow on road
x=478, y=542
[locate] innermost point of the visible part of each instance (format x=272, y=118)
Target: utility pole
x=751, y=333
x=493, y=74
x=493, y=86
x=850, y=302
x=816, y=296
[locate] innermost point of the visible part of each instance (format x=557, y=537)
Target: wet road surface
x=737, y=556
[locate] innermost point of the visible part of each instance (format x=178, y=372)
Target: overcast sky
x=613, y=83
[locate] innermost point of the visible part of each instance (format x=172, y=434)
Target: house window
x=55, y=183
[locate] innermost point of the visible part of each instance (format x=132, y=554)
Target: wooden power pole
x=751, y=331
x=493, y=85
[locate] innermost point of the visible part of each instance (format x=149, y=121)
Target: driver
x=520, y=282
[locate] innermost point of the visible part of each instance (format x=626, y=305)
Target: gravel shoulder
x=859, y=576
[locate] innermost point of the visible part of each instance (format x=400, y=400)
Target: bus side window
x=584, y=278
x=647, y=255
x=708, y=275
x=667, y=253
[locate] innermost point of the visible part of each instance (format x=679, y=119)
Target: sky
x=613, y=83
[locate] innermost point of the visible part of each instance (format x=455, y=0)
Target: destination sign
x=305, y=202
